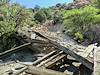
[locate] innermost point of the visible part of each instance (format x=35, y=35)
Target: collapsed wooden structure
x=39, y=66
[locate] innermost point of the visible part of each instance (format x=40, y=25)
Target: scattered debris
x=51, y=54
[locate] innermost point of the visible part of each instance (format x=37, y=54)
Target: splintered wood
x=78, y=57
x=46, y=61
x=87, y=51
x=59, y=54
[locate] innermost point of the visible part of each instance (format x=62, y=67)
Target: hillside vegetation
x=12, y=17
x=78, y=22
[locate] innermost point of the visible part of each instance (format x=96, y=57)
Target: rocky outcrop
x=73, y=5
x=82, y=1
x=77, y=4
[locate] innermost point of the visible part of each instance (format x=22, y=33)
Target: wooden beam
x=44, y=57
x=51, y=58
x=32, y=41
x=20, y=71
x=79, y=58
x=42, y=71
x=87, y=51
x=54, y=61
x=14, y=49
x=19, y=38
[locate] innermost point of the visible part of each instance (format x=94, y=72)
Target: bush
x=12, y=17
x=40, y=16
x=97, y=3
x=80, y=20
x=2, y=2
x=79, y=36
x=57, y=17
x=48, y=13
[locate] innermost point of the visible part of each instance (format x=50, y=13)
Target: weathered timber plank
x=54, y=56
x=87, y=51
x=42, y=71
x=79, y=58
x=32, y=41
x=44, y=57
x=19, y=37
x=53, y=62
x=14, y=49
x=20, y=71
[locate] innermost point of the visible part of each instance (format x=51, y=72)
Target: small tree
x=47, y=12
x=40, y=16
x=37, y=7
x=12, y=17
x=57, y=17
x=78, y=21
x=58, y=5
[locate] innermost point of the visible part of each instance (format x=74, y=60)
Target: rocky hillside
x=77, y=4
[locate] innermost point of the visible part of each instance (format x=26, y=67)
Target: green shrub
x=57, y=17
x=97, y=3
x=40, y=16
x=12, y=17
x=80, y=20
x=79, y=36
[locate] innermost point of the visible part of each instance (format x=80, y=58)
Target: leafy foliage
x=57, y=17
x=97, y=2
x=48, y=13
x=78, y=21
x=40, y=16
x=7, y=43
x=12, y=17
x=79, y=36
x=2, y=2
